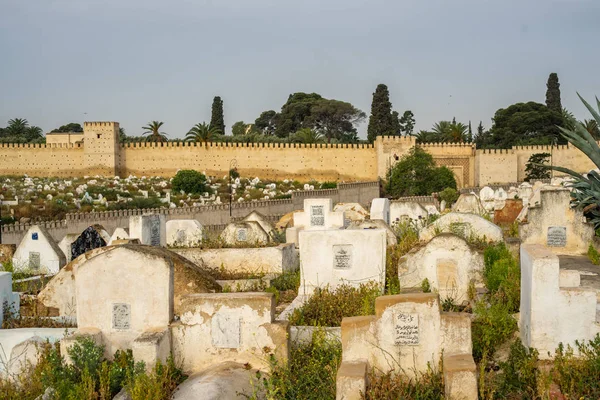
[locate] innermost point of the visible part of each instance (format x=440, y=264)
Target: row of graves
x=148, y=288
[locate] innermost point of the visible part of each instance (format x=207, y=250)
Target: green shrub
x=417, y=175
x=577, y=377
x=520, y=374
x=502, y=276
x=449, y=195
x=189, y=181
x=327, y=308
x=159, y=384
x=492, y=325
x=425, y=286
x=593, y=255
x=137, y=202
x=287, y=281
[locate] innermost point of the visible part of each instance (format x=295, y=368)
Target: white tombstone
x=524, y=191
x=184, y=233
x=247, y=233
x=554, y=308
x=262, y=221
x=334, y=257
x=380, y=209
x=464, y=225
x=447, y=262
x=38, y=253
x=9, y=299
x=486, y=194
x=500, y=197
x=376, y=224
x=119, y=234
x=65, y=245
x=149, y=229
x=407, y=211
x=318, y=215
x=352, y=212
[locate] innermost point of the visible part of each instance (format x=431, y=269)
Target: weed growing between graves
x=327, y=307
x=90, y=376
x=408, y=236
x=392, y=386
x=309, y=375
x=593, y=255
x=285, y=287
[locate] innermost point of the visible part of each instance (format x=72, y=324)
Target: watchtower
x=101, y=146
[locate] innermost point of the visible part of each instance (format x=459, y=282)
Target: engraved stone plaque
x=225, y=331
x=447, y=275
x=242, y=235
x=181, y=236
x=557, y=236
x=34, y=260
x=406, y=329
x=121, y=318
x=342, y=256
x=317, y=215
x=155, y=230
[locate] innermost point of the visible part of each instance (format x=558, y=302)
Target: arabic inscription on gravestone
x=557, y=236
x=406, y=329
x=317, y=215
x=342, y=256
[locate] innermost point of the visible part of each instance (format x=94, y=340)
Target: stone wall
x=359, y=192
x=103, y=155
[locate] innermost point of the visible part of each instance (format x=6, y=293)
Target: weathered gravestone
x=468, y=226
x=263, y=222
x=38, y=253
x=376, y=224
x=447, y=262
x=92, y=237
x=149, y=229
x=555, y=224
x=248, y=233
x=334, y=257
x=407, y=211
x=554, y=307
x=9, y=300
x=65, y=245
x=119, y=234
x=353, y=212
x=468, y=203
x=184, y=233
x=220, y=327
x=407, y=335
x=126, y=297
x=380, y=209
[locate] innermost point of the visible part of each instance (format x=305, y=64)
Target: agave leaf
x=590, y=108
x=569, y=172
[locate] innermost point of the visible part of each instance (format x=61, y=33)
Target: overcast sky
x=134, y=61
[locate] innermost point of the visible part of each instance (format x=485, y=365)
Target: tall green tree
x=407, y=121
x=470, y=133
x=217, y=120
x=381, y=121
x=397, y=124
x=307, y=135
x=202, y=133
x=266, y=123
x=152, y=130
x=553, y=93
x=239, y=128
x=525, y=124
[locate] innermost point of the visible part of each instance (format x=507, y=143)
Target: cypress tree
x=553, y=93
x=381, y=121
x=217, y=120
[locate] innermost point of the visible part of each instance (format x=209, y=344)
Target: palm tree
x=34, y=132
x=441, y=130
x=307, y=135
x=591, y=126
x=153, y=130
x=457, y=133
x=17, y=126
x=202, y=133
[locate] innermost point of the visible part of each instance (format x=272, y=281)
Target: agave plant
x=586, y=189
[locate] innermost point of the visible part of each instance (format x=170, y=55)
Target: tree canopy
x=334, y=119
x=18, y=130
x=416, y=175
x=525, y=124
x=553, y=93
x=71, y=127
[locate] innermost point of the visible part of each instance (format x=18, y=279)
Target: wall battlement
x=101, y=153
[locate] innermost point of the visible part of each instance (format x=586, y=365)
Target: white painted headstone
x=317, y=215
x=380, y=209
x=149, y=229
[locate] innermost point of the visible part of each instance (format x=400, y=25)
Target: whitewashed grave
x=245, y=233
x=149, y=229
x=184, y=233
x=38, y=253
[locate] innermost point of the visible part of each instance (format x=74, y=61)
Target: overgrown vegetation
x=90, y=376
x=417, y=175
x=537, y=167
x=392, y=386
x=309, y=375
x=449, y=195
x=328, y=307
x=593, y=255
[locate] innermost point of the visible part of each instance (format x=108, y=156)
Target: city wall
x=211, y=216
x=100, y=153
